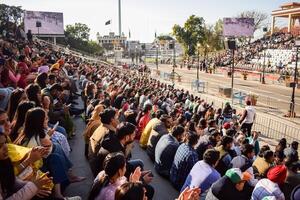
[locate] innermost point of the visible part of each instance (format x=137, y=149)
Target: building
x=111, y=41
x=290, y=11
x=164, y=49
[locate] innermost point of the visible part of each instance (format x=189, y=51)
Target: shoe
x=73, y=198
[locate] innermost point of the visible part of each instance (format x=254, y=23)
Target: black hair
x=268, y=154
x=164, y=118
x=231, y=132
x=247, y=148
x=124, y=129
x=177, y=131
x=107, y=115
x=41, y=80
x=211, y=156
x=262, y=150
x=56, y=86
x=130, y=191
x=32, y=91
x=113, y=162
x=147, y=108
x=36, y=115
x=13, y=102
x=20, y=117
x=226, y=140
x=192, y=138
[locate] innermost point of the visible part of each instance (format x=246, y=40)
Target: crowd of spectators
x=205, y=152
x=191, y=143
x=246, y=52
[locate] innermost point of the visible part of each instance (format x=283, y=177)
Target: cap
x=236, y=175
x=277, y=174
x=226, y=125
x=55, y=66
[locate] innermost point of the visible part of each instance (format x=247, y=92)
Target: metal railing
x=269, y=126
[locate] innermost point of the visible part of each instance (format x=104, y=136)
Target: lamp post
x=198, y=66
x=156, y=60
x=174, y=62
x=292, y=104
x=135, y=54
x=206, y=57
x=264, y=67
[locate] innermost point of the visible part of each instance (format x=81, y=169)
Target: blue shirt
x=164, y=154
x=202, y=176
x=184, y=160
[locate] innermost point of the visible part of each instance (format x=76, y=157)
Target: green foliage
x=192, y=33
x=77, y=36
x=164, y=37
x=10, y=14
x=78, y=31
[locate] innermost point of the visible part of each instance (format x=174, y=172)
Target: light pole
x=292, y=104
x=264, y=65
x=120, y=19
x=198, y=66
x=156, y=60
x=174, y=62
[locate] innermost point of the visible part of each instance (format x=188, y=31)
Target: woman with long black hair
x=112, y=177
x=34, y=94
x=17, y=123
x=15, y=98
x=56, y=162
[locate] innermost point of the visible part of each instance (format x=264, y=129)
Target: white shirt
x=250, y=115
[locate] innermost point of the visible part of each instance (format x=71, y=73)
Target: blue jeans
x=58, y=164
x=59, y=129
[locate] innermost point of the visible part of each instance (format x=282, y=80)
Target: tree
x=78, y=31
x=190, y=34
x=259, y=18
x=10, y=14
x=164, y=37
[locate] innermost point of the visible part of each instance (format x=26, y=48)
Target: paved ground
x=273, y=98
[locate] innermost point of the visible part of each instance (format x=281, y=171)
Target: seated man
x=203, y=174
x=165, y=150
x=262, y=164
x=230, y=186
x=270, y=186
x=159, y=130
x=184, y=160
x=225, y=157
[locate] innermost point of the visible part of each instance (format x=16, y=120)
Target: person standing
x=248, y=118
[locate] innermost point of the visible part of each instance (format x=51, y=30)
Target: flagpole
x=120, y=23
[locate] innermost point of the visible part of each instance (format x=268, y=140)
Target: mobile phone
x=55, y=101
x=69, y=105
x=55, y=126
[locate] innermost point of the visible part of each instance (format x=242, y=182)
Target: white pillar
x=54, y=40
x=290, y=23
x=273, y=24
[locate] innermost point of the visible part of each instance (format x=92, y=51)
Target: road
x=273, y=97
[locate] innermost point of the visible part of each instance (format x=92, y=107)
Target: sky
x=144, y=17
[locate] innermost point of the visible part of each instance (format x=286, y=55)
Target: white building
x=111, y=41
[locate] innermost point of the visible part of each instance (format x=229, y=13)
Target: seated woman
x=112, y=177
x=56, y=162
x=12, y=188
x=18, y=121
x=16, y=97
x=17, y=127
